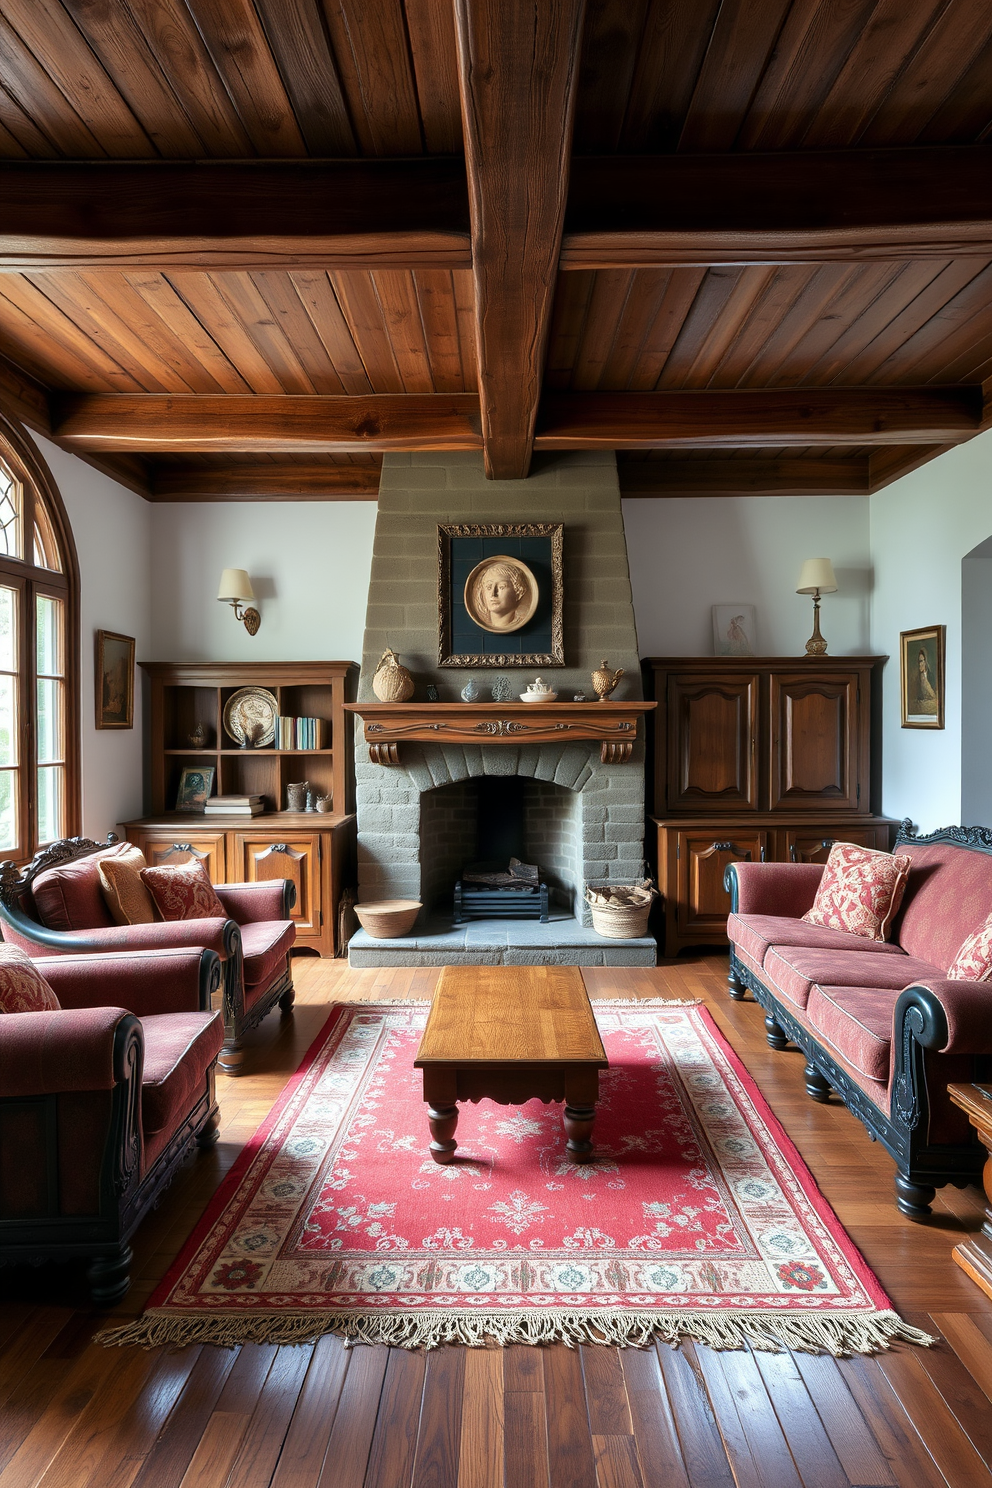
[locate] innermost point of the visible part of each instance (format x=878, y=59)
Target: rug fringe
x=840, y=1335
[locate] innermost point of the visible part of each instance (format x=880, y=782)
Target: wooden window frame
x=21, y=455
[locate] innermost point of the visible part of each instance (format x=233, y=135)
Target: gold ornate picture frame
x=921, y=677
x=526, y=553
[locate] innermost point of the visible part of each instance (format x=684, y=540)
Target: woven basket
x=621, y=921
x=385, y=919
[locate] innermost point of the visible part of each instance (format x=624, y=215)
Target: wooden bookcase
x=313, y=849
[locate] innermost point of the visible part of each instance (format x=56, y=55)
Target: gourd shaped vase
x=392, y=682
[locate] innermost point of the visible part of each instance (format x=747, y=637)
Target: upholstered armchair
x=56, y=906
x=101, y=1101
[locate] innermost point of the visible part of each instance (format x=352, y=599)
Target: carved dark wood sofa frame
x=940, y=1032
x=245, y=903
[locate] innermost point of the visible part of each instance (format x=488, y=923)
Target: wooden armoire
x=766, y=759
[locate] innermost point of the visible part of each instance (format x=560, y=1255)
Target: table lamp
x=817, y=578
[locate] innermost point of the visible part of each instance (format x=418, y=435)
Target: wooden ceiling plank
x=431, y=29
x=209, y=305
x=888, y=465
x=709, y=477
x=791, y=299
x=943, y=336
x=279, y=293
x=401, y=314
x=518, y=68
x=961, y=32
x=112, y=33
x=23, y=396
x=15, y=125
x=858, y=285
x=297, y=34
x=327, y=318
x=439, y=315
x=648, y=290
x=740, y=305
x=237, y=44
x=862, y=367
x=570, y=308
x=765, y=417
x=975, y=357
x=33, y=348
x=716, y=290
x=663, y=332
x=61, y=343
x=612, y=43
x=828, y=288
x=610, y=294
x=287, y=424
x=215, y=371
x=464, y=289
x=667, y=65
x=37, y=96
x=964, y=114
x=273, y=345
x=58, y=47
x=265, y=481
x=740, y=48
x=363, y=313
x=370, y=47
x=904, y=283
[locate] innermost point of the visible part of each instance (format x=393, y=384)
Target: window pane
x=8, y=808
x=49, y=636
x=8, y=721
x=50, y=797
x=49, y=721
x=8, y=629
x=10, y=513
x=46, y=549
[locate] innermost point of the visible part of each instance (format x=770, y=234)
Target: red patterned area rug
x=697, y=1217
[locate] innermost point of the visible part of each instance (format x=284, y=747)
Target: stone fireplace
x=420, y=822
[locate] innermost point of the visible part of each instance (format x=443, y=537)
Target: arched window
x=39, y=671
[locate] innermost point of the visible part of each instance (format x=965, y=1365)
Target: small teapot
x=604, y=681
x=538, y=691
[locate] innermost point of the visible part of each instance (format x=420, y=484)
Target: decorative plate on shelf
x=250, y=716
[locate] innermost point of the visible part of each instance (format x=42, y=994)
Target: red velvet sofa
x=101, y=1101
x=253, y=943
x=879, y=1022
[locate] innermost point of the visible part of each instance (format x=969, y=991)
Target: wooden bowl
x=386, y=919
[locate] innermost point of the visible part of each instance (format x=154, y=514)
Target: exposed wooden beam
x=769, y=416
x=207, y=423
x=265, y=482
x=809, y=477
x=518, y=66
x=845, y=206
x=234, y=215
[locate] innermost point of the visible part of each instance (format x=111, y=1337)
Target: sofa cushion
x=793, y=970
x=857, y=1023
x=949, y=896
x=860, y=891
x=125, y=895
x=69, y=896
x=755, y=933
x=179, y=1049
x=266, y=945
x=973, y=962
x=23, y=989
x=183, y=892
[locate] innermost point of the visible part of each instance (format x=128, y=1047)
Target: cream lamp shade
x=817, y=575
x=235, y=585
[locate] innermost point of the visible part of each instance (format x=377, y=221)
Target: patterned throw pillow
x=183, y=893
x=860, y=891
x=23, y=989
x=973, y=962
x=127, y=897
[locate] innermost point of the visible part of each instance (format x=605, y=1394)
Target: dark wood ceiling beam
x=234, y=215
x=265, y=482
x=204, y=423
x=518, y=66
x=769, y=416
x=845, y=206
x=800, y=477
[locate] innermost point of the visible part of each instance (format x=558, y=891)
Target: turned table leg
x=578, y=1128
x=443, y=1120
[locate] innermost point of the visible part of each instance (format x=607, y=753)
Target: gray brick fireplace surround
x=587, y=818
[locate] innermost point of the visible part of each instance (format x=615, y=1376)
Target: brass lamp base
x=816, y=645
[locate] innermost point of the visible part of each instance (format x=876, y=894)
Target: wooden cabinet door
x=813, y=844
x=170, y=849
x=702, y=859
x=818, y=738
x=712, y=742
x=264, y=855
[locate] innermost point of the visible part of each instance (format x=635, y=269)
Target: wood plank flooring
x=322, y=1416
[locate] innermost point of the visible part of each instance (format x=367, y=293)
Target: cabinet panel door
x=170, y=849
x=263, y=855
x=703, y=857
x=712, y=754
x=816, y=742
x=813, y=844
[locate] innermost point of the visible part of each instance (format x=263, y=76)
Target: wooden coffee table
x=511, y=1034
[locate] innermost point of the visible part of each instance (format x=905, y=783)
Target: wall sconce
x=817, y=578
x=235, y=590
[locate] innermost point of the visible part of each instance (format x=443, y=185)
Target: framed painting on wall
x=114, y=680
x=921, y=674
x=500, y=589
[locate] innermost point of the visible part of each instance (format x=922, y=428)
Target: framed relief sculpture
x=500, y=595
x=114, y=680
x=921, y=674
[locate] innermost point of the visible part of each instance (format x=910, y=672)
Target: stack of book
x=301, y=733
x=234, y=806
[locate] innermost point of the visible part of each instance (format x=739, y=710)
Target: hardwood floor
x=72, y=1414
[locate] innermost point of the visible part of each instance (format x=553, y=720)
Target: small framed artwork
x=921, y=674
x=195, y=784
x=499, y=589
x=114, y=680
x=734, y=630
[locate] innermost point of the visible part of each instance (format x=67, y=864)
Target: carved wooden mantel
x=387, y=725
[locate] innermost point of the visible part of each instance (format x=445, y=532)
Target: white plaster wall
x=112, y=531
x=687, y=555
x=922, y=526
x=309, y=563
